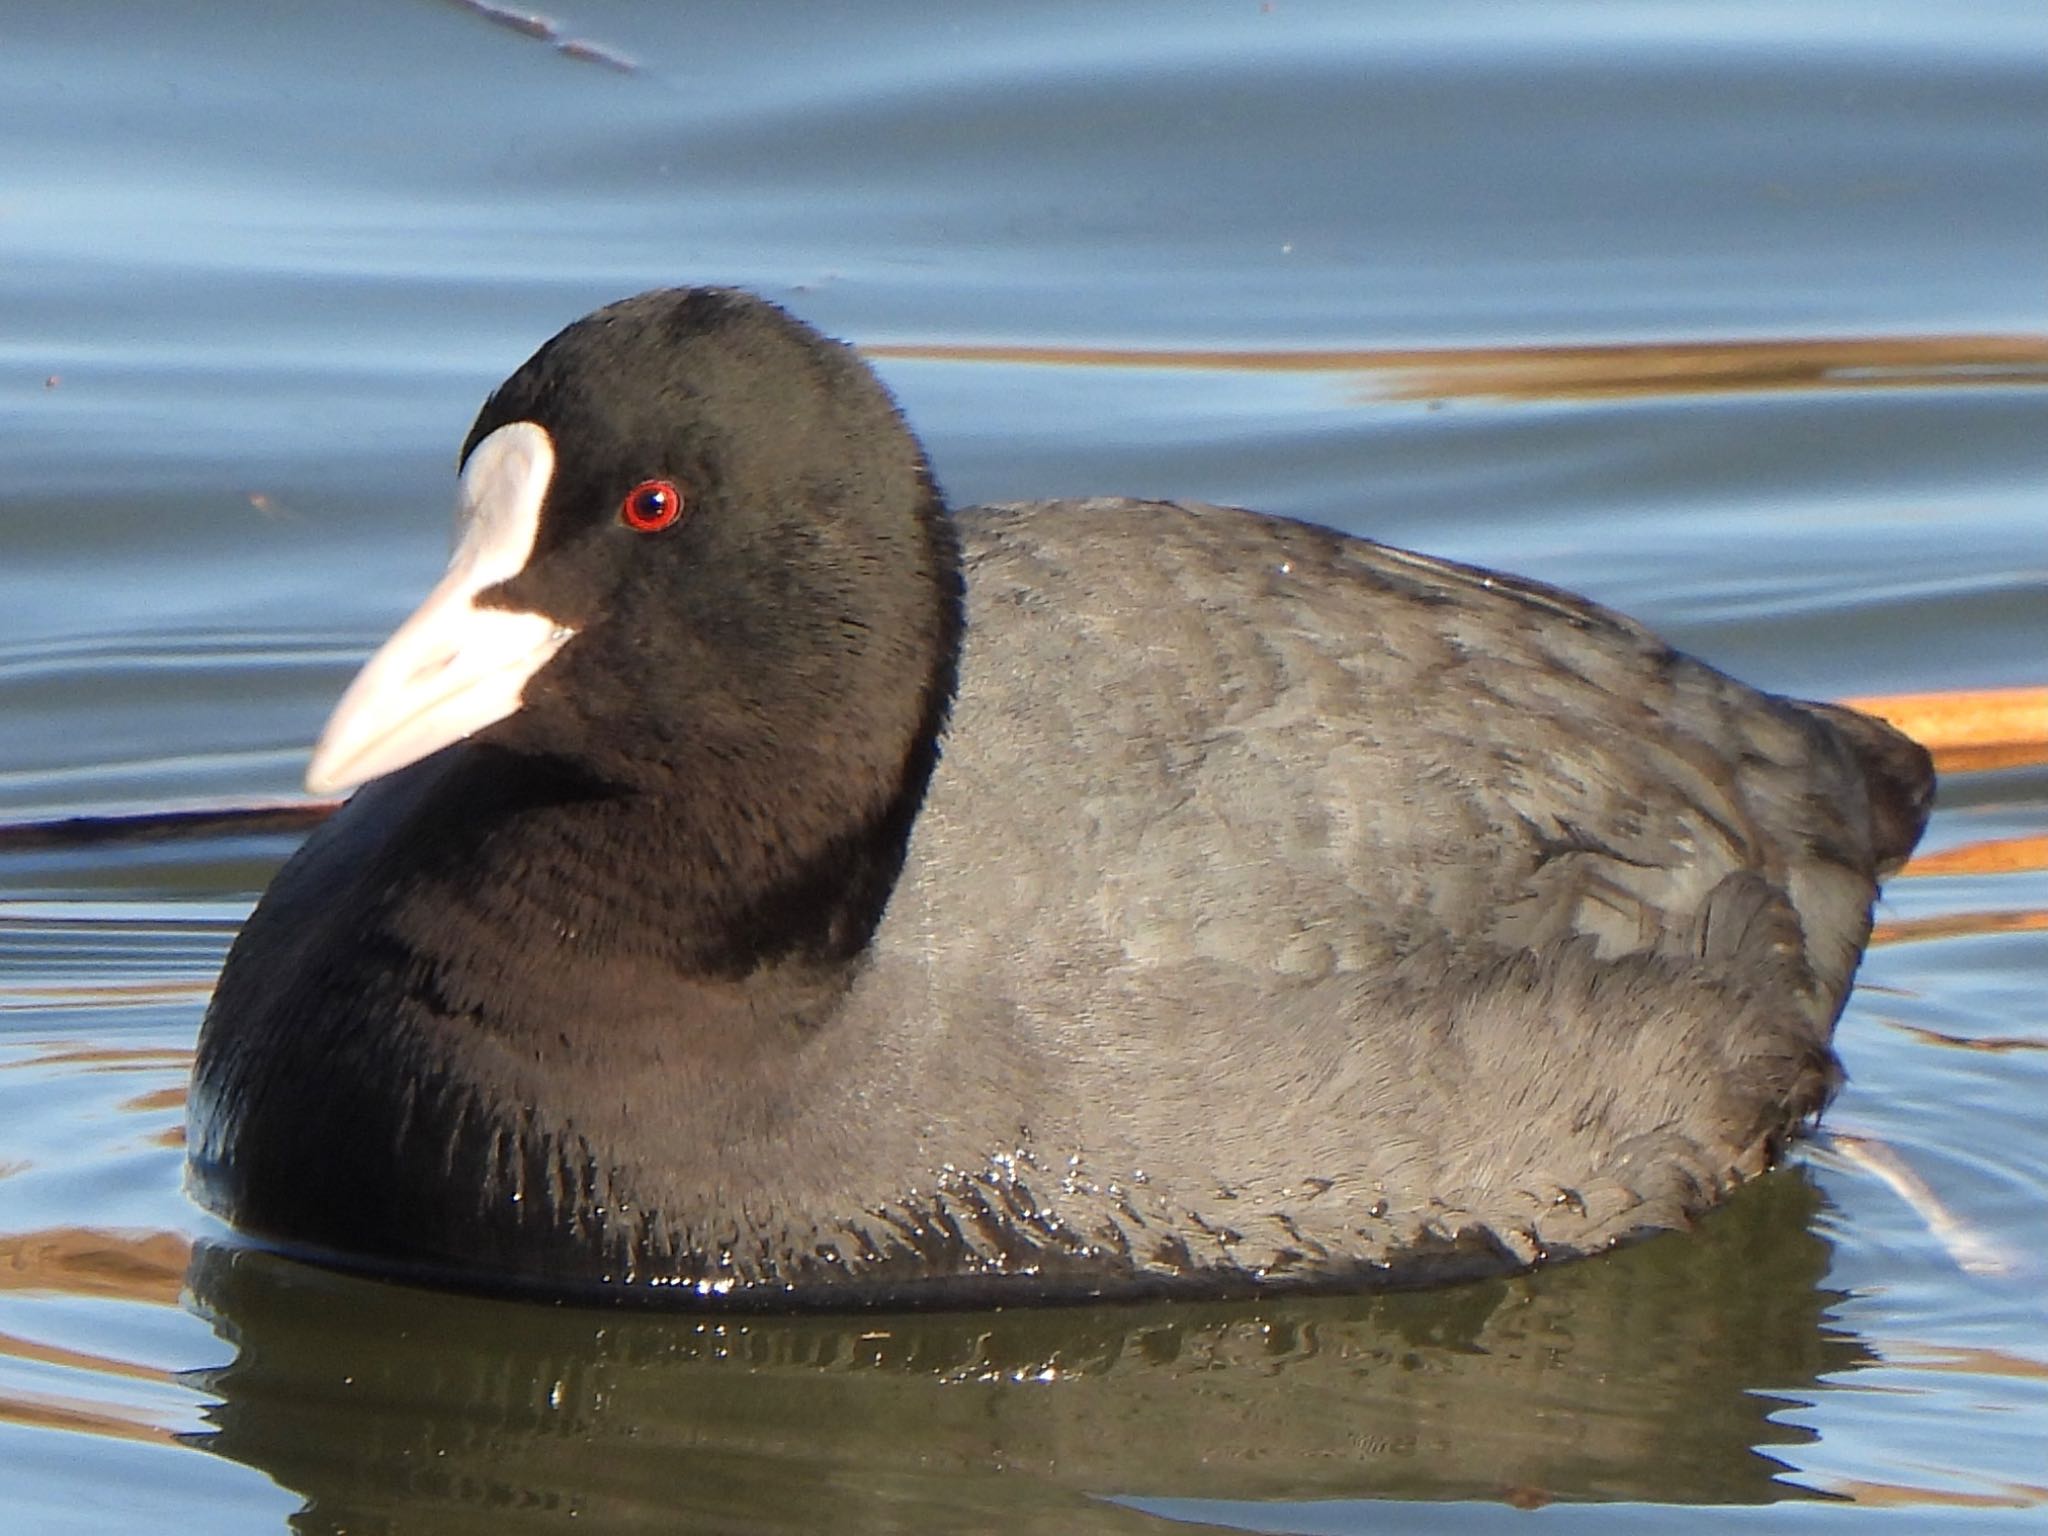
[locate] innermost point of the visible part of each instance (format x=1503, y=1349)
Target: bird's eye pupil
x=651, y=506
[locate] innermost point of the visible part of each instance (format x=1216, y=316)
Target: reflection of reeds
x=75, y=1416
x=18, y=1348
x=1958, y=925
x=1907, y=1496
x=92, y=1261
x=1970, y=730
x=97, y=1414
x=107, y=1058
x=1991, y=1045
x=1573, y=372
x=1968, y=1360
x=39, y=996
x=1994, y=856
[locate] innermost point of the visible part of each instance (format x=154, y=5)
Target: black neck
x=742, y=851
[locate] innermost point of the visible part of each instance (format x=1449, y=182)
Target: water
x=1331, y=260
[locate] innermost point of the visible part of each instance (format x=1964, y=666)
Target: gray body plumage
x=1227, y=955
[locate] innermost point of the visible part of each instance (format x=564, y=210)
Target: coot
x=769, y=890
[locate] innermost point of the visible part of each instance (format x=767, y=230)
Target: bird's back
x=1333, y=898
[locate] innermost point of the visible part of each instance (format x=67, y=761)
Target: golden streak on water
x=1994, y=856
x=1958, y=925
x=14, y=1347
x=1968, y=1360
x=172, y=1097
x=39, y=996
x=1996, y=1045
x=146, y=1266
x=38, y=1411
x=1990, y=759
x=105, y=1058
x=1572, y=372
x=1969, y=730
x=1906, y=1496
x=96, y=1416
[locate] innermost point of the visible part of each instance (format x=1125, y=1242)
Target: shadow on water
x=1649, y=1374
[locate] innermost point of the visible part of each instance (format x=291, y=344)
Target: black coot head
x=692, y=531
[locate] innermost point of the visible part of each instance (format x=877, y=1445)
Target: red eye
x=651, y=506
